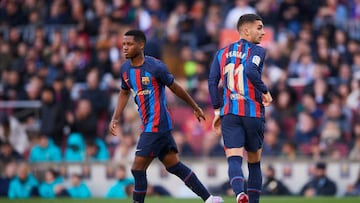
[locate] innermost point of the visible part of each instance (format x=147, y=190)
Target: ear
x=142, y=45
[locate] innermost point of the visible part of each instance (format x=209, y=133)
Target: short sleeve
x=163, y=75
x=124, y=81
x=257, y=57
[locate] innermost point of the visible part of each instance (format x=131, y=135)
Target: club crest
x=145, y=80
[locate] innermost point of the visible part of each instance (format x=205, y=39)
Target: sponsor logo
x=144, y=92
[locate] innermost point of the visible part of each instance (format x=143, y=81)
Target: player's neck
x=137, y=60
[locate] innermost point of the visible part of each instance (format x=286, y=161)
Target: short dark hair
x=247, y=18
x=138, y=35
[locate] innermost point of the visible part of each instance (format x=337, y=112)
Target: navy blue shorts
x=155, y=144
x=239, y=131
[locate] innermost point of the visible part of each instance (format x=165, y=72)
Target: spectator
x=96, y=150
x=125, y=150
x=8, y=154
x=98, y=98
x=241, y=7
x=83, y=120
x=184, y=148
x=52, y=116
x=75, y=148
x=271, y=146
x=6, y=177
x=53, y=186
x=306, y=130
x=45, y=151
x=13, y=132
x=78, y=188
x=273, y=186
x=118, y=189
x=289, y=151
x=24, y=185
x=320, y=184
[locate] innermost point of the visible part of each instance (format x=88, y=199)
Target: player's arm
x=167, y=79
x=180, y=92
x=253, y=73
x=123, y=98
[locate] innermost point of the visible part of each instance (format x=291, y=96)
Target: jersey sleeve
x=124, y=80
x=254, y=68
x=213, y=82
x=163, y=75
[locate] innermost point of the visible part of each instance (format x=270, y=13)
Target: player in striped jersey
x=240, y=116
x=147, y=78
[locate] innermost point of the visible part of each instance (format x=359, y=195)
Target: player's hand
x=114, y=127
x=199, y=114
x=216, y=125
x=267, y=99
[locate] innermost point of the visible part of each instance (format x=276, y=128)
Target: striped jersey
x=239, y=67
x=148, y=82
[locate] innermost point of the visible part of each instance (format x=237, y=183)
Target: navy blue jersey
x=148, y=83
x=239, y=66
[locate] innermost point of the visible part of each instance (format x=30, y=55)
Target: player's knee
x=254, y=157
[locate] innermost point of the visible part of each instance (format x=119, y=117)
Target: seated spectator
x=45, y=151
x=273, y=186
x=212, y=146
x=306, y=129
x=78, y=189
x=52, y=186
x=320, y=184
x=12, y=131
x=125, y=150
x=96, y=150
x=24, y=185
x=83, y=120
x=98, y=98
x=118, y=190
x=8, y=154
x=184, y=148
x=5, y=179
x=75, y=148
x=289, y=151
x=271, y=146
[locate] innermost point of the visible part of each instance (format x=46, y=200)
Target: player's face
x=256, y=31
x=131, y=48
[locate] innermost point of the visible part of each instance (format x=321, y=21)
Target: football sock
x=254, y=182
x=190, y=180
x=235, y=173
x=140, y=186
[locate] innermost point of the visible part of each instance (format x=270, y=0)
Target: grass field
x=173, y=200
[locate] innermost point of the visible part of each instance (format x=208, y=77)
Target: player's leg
x=234, y=138
x=138, y=170
x=146, y=150
x=168, y=156
x=254, y=140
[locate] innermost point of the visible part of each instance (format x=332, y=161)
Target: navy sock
x=190, y=180
x=235, y=173
x=140, y=186
x=254, y=182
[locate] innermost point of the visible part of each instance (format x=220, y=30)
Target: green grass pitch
x=174, y=200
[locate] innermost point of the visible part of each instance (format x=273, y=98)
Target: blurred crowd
x=67, y=55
